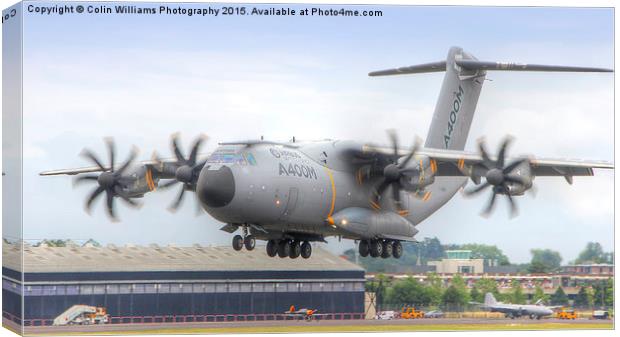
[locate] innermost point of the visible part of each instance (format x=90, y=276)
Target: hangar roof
x=111, y=258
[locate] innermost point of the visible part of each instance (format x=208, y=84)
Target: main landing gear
x=289, y=248
x=383, y=248
x=247, y=240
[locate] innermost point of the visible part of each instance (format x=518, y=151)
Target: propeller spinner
x=498, y=176
x=187, y=171
x=395, y=174
x=111, y=180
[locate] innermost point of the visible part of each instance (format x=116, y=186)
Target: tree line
x=456, y=296
x=431, y=249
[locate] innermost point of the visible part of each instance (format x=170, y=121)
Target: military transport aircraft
x=513, y=311
x=294, y=193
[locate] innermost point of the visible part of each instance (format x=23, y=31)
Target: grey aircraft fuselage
x=309, y=188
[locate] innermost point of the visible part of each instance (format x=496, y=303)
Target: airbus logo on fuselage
x=456, y=106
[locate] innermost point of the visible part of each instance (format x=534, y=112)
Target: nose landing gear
x=247, y=240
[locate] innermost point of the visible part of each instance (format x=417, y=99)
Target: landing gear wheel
x=272, y=248
x=376, y=248
x=284, y=248
x=397, y=249
x=387, y=249
x=364, y=248
x=249, y=242
x=237, y=242
x=295, y=250
x=306, y=250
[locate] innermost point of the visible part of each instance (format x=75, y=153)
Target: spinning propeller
x=111, y=181
x=395, y=174
x=187, y=169
x=498, y=176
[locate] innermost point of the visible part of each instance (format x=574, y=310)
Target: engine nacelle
x=424, y=169
x=525, y=172
x=364, y=223
x=140, y=180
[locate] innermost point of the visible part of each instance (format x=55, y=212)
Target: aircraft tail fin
x=489, y=299
x=460, y=90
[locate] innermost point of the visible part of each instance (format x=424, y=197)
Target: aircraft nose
x=216, y=188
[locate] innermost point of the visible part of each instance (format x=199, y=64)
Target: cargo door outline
x=291, y=203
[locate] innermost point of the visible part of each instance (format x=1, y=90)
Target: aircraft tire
x=306, y=250
x=376, y=248
x=272, y=248
x=364, y=248
x=397, y=249
x=284, y=248
x=387, y=249
x=249, y=242
x=237, y=242
x=295, y=250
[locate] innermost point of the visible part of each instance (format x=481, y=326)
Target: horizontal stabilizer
x=417, y=69
x=485, y=65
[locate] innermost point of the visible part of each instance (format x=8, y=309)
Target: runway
x=447, y=324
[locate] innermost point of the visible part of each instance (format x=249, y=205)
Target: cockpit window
x=229, y=156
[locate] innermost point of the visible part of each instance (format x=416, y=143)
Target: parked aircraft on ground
x=513, y=311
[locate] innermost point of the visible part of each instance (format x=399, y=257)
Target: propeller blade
x=96, y=192
x=477, y=189
x=415, y=148
x=515, y=179
x=177, y=151
x=501, y=157
x=394, y=140
x=195, y=148
x=382, y=186
x=90, y=155
x=513, y=206
x=396, y=192
x=81, y=179
x=199, y=167
x=110, y=205
x=167, y=184
x=175, y=205
x=490, y=206
x=130, y=159
x=514, y=165
x=486, y=161
x=111, y=151
x=126, y=198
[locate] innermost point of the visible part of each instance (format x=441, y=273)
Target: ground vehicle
x=386, y=315
x=434, y=314
x=83, y=315
x=411, y=313
x=600, y=314
x=566, y=314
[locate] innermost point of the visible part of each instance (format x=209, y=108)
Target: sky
x=142, y=78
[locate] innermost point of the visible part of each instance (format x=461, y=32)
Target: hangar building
x=160, y=284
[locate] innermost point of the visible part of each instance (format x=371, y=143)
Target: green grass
x=317, y=328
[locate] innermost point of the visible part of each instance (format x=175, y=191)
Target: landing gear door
x=291, y=203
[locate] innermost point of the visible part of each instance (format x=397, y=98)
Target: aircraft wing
x=455, y=163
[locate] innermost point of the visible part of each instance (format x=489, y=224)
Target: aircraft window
x=233, y=288
x=138, y=288
x=221, y=288
x=86, y=289
x=99, y=289
x=164, y=288
x=226, y=157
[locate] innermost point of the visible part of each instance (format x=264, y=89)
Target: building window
x=86, y=289
x=99, y=289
